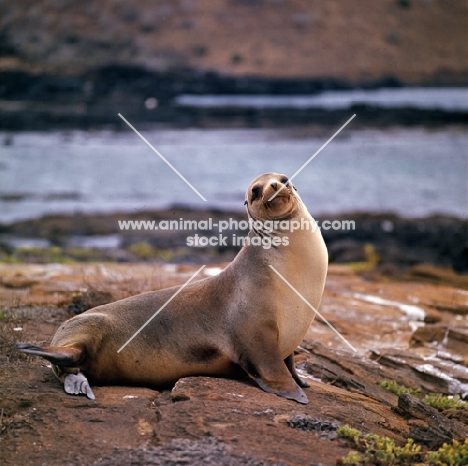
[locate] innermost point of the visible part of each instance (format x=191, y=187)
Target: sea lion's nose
x=274, y=185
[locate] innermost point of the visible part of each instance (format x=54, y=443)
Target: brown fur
x=245, y=316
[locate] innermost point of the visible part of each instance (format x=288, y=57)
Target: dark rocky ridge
x=40, y=102
x=385, y=240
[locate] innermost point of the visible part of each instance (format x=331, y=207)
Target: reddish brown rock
x=203, y=418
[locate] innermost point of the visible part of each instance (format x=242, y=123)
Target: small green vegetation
x=83, y=254
x=441, y=402
x=9, y=258
x=53, y=254
x=450, y=454
x=145, y=251
x=8, y=316
x=372, y=260
x=3, y=314
x=352, y=458
x=436, y=400
x=392, y=387
x=378, y=450
x=374, y=449
x=349, y=433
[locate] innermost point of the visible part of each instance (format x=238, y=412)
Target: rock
x=460, y=415
x=441, y=429
x=431, y=375
x=81, y=302
x=233, y=419
x=432, y=334
x=326, y=429
x=205, y=452
x=347, y=250
x=432, y=316
x=436, y=274
x=17, y=282
x=448, y=341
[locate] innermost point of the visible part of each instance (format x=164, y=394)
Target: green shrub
x=454, y=454
x=393, y=387
x=441, y=402
x=376, y=450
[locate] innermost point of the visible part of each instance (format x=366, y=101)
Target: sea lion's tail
x=58, y=355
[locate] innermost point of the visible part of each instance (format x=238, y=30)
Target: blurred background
x=227, y=90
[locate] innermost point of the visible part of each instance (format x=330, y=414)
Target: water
x=413, y=173
x=449, y=99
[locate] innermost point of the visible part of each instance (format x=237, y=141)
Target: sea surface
x=422, y=98
x=413, y=173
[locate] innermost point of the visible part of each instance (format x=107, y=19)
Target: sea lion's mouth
x=268, y=202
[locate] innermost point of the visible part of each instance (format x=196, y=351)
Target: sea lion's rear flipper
x=289, y=361
x=263, y=363
x=58, y=355
x=77, y=384
x=64, y=357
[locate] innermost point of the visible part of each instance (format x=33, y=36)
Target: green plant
x=3, y=314
x=392, y=387
x=408, y=452
x=349, y=433
x=436, y=400
x=378, y=450
x=9, y=259
x=145, y=251
x=352, y=458
x=441, y=402
x=372, y=260
x=383, y=451
x=454, y=454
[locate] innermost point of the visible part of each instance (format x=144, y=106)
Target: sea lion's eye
x=285, y=181
x=255, y=193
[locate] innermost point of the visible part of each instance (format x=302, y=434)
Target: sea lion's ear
x=245, y=203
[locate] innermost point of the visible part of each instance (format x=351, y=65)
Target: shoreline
x=92, y=100
x=23, y=116
x=384, y=242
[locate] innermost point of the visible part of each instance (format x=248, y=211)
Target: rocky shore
x=406, y=333
x=79, y=67
x=386, y=243
x=391, y=291
x=31, y=102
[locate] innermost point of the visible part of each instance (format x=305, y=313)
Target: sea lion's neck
x=299, y=224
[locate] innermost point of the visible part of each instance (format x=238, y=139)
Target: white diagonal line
x=161, y=308
x=160, y=155
x=315, y=310
x=308, y=161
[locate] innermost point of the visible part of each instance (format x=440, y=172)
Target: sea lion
x=246, y=317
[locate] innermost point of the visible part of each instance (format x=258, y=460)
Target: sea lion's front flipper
x=289, y=361
x=263, y=363
x=77, y=384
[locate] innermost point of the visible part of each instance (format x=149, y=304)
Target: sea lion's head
x=272, y=196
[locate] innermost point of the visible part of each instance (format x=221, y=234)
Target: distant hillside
x=415, y=41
